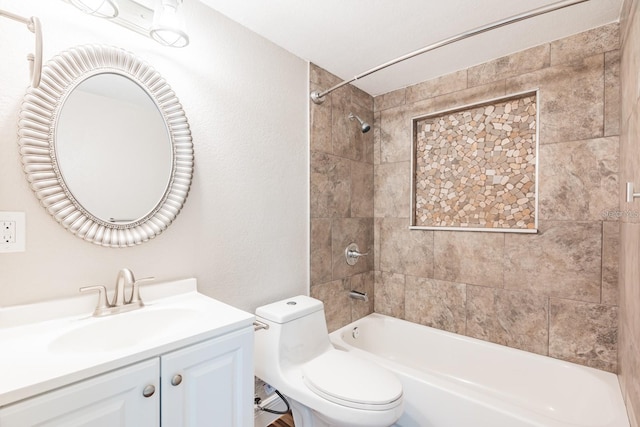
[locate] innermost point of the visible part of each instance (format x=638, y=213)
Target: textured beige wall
x=553, y=293
x=629, y=334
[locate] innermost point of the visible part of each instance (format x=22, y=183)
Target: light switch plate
x=12, y=231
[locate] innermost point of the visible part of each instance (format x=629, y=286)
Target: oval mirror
x=106, y=146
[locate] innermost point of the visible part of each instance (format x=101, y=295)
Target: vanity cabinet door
x=114, y=399
x=209, y=384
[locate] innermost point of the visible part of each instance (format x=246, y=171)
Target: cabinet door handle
x=149, y=390
x=176, y=380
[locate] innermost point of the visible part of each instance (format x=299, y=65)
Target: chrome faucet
x=119, y=303
x=125, y=279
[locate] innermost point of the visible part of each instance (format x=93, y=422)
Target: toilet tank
x=289, y=309
x=297, y=329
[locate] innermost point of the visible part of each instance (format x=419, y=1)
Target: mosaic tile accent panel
x=475, y=168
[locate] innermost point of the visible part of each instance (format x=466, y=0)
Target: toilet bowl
x=325, y=387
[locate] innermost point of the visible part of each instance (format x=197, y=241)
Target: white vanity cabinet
x=114, y=399
x=209, y=384
x=205, y=384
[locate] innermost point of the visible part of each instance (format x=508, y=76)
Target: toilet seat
x=356, y=383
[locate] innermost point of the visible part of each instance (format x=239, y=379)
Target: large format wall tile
x=389, y=294
x=320, y=124
x=509, y=66
x=515, y=319
x=395, y=135
x=362, y=283
x=588, y=43
x=362, y=143
x=583, y=333
x=392, y=186
x=439, y=86
x=405, y=251
x=337, y=304
x=390, y=100
x=361, y=99
x=330, y=186
x=461, y=98
x=341, y=197
x=341, y=128
x=377, y=226
x=361, y=190
x=435, y=303
x=612, y=103
x=610, y=262
x=377, y=119
x=579, y=179
x=469, y=257
x=320, y=250
x=347, y=139
x=351, y=230
x=322, y=78
x=563, y=260
x=571, y=99
x=438, y=277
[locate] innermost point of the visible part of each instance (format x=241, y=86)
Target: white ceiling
x=348, y=37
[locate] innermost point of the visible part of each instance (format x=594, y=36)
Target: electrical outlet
x=8, y=231
x=12, y=232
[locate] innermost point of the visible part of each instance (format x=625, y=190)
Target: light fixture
x=101, y=8
x=35, y=59
x=168, y=24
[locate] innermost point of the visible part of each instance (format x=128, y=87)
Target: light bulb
x=101, y=8
x=168, y=24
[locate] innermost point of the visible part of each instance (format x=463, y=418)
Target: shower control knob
x=352, y=253
x=149, y=390
x=176, y=380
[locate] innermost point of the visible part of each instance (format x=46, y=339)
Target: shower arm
x=318, y=97
x=35, y=60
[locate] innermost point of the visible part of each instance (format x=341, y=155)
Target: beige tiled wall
x=553, y=293
x=341, y=199
x=629, y=334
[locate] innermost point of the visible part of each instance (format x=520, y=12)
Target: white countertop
x=30, y=364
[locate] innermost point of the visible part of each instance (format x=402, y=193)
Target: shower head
x=364, y=126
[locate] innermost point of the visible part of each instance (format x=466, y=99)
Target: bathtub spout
x=361, y=296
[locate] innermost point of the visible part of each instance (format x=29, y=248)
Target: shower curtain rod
x=35, y=61
x=318, y=97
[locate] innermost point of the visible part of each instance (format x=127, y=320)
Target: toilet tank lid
x=289, y=309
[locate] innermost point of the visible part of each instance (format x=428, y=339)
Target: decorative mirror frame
x=37, y=125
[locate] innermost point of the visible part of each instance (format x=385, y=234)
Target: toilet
x=325, y=387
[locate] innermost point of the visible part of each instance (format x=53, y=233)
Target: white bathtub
x=454, y=381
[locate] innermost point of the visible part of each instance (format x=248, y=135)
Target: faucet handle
x=352, y=253
x=103, y=305
x=135, y=291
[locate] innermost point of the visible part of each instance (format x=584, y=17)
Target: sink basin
x=112, y=333
x=54, y=343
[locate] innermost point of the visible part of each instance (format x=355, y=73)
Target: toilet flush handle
x=352, y=253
